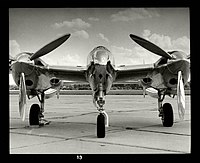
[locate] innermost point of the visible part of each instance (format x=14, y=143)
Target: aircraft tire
x=101, y=126
x=168, y=117
x=34, y=114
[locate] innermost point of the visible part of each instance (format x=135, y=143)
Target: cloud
x=139, y=55
x=134, y=14
x=81, y=33
x=121, y=50
x=93, y=19
x=14, y=48
x=136, y=55
x=100, y=35
x=182, y=43
x=161, y=40
x=166, y=43
x=74, y=23
x=66, y=60
x=71, y=60
x=146, y=33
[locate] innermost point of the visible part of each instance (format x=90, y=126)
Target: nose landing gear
x=102, y=118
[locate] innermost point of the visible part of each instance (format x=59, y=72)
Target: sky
x=32, y=28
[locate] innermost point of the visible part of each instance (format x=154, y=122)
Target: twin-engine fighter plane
x=34, y=77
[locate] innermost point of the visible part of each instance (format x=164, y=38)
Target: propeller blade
x=180, y=96
x=22, y=97
x=150, y=46
x=50, y=47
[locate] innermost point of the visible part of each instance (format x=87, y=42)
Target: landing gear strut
x=36, y=116
x=102, y=118
x=165, y=111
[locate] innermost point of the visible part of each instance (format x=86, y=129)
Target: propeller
x=180, y=96
x=150, y=46
x=22, y=97
x=50, y=47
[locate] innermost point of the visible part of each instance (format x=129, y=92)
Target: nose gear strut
x=102, y=118
x=100, y=98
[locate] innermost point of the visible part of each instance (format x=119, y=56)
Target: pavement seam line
x=131, y=146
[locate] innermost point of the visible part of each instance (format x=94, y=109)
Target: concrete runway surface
x=134, y=127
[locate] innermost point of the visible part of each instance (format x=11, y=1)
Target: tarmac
x=134, y=127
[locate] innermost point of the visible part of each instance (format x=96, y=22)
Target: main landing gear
x=102, y=118
x=36, y=116
x=165, y=111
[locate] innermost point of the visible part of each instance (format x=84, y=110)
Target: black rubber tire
x=168, y=116
x=101, y=126
x=34, y=114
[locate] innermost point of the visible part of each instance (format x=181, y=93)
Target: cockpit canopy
x=100, y=55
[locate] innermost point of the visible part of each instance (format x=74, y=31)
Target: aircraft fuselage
x=101, y=71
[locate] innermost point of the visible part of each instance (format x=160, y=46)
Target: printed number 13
x=79, y=157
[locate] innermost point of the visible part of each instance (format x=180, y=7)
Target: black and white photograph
x=99, y=80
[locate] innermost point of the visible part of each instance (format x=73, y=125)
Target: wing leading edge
x=70, y=73
x=133, y=72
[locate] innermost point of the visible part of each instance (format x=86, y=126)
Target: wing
x=133, y=72
x=70, y=73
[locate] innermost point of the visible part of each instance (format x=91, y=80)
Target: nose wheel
x=102, y=122
x=102, y=118
x=101, y=125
